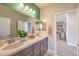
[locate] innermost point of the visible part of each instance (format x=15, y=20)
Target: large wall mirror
x=25, y=25
x=40, y=25
x=4, y=27
x=9, y=26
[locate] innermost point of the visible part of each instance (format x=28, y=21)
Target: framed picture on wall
x=59, y=27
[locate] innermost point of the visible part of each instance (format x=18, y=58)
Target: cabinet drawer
x=31, y=53
x=24, y=52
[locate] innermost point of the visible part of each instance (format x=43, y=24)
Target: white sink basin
x=12, y=46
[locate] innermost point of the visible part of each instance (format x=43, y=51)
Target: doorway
x=61, y=24
x=65, y=34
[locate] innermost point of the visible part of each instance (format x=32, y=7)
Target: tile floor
x=62, y=50
x=49, y=53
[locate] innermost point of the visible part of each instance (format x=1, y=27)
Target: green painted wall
x=17, y=7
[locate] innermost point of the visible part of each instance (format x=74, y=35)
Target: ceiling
x=41, y=5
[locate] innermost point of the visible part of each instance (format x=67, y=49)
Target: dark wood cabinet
x=44, y=46
x=37, y=49
x=31, y=53
x=24, y=52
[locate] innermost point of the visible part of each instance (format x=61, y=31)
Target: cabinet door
x=37, y=50
x=46, y=43
x=20, y=53
x=29, y=51
x=44, y=46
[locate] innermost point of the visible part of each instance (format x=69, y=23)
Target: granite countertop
x=26, y=44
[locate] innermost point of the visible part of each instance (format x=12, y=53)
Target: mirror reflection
x=4, y=27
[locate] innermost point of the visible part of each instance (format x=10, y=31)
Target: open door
x=63, y=34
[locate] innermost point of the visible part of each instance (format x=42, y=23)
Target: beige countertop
x=26, y=44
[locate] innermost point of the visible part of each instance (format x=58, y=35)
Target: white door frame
x=62, y=12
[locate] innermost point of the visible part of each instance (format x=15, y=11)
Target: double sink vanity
x=32, y=47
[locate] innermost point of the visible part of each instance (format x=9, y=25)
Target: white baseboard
x=51, y=50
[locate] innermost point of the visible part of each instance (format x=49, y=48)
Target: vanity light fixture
x=34, y=12
x=44, y=20
x=26, y=8
x=30, y=10
x=21, y=5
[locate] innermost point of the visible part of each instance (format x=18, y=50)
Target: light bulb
x=33, y=12
x=26, y=8
x=21, y=4
x=44, y=20
x=30, y=10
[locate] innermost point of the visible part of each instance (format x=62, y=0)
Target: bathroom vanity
x=34, y=47
x=37, y=49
